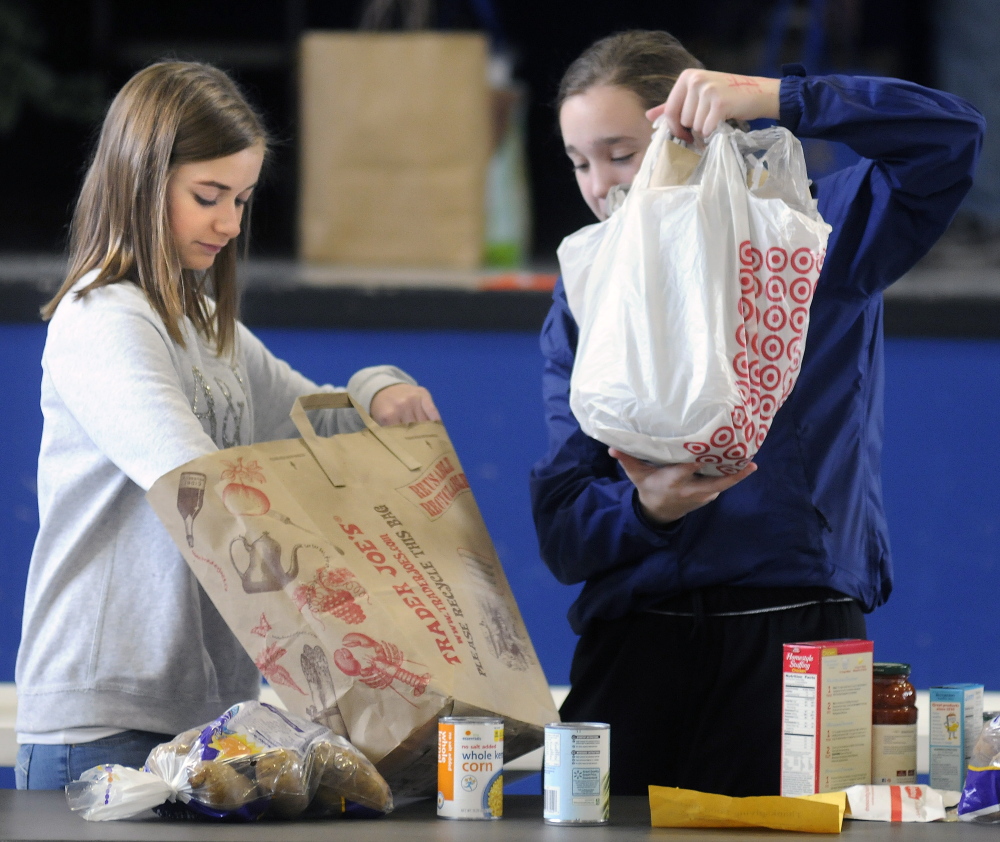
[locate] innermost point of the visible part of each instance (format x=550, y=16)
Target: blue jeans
x=52, y=767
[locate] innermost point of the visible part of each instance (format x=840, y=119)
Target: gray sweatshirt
x=117, y=632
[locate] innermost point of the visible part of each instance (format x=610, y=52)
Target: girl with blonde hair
x=147, y=366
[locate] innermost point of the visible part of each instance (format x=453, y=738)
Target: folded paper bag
x=822, y=813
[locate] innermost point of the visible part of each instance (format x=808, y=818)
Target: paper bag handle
x=344, y=400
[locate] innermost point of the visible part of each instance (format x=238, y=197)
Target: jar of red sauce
x=894, y=725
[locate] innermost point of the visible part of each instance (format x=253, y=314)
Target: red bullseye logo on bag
x=772, y=320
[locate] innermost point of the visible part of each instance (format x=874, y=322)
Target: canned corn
x=470, y=767
x=577, y=773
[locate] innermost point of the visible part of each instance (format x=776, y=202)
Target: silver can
x=576, y=783
x=470, y=767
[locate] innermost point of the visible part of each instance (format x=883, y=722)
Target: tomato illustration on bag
x=239, y=497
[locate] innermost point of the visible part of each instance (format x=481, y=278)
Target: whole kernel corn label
x=470, y=767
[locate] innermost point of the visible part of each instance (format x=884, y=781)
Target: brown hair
x=646, y=62
x=168, y=114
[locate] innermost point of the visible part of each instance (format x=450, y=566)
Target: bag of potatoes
x=255, y=761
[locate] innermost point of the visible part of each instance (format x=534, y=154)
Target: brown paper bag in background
x=395, y=139
x=358, y=574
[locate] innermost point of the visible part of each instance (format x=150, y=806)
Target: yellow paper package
x=820, y=813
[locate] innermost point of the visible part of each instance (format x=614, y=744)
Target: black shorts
x=693, y=696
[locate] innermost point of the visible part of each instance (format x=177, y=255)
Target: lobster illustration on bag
x=379, y=664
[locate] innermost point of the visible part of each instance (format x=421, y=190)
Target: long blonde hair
x=168, y=114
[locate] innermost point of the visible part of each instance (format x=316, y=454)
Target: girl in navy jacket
x=692, y=584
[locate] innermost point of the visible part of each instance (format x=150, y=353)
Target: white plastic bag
x=693, y=302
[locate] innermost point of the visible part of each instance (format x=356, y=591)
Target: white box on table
x=956, y=721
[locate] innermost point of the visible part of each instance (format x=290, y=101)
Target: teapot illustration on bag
x=259, y=563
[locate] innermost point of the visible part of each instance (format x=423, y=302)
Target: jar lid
x=890, y=669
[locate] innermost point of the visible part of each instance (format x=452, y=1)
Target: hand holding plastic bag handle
x=692, y=302
x=668, y=492
x=701, y=99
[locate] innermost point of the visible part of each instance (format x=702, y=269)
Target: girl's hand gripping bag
x=693, y=300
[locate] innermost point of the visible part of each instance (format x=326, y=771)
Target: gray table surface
x=44, y=815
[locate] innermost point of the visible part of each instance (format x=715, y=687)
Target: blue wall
x=942, y=486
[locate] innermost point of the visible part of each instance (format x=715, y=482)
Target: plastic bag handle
x=663, y=139
x=661, y=135
x=342, y=400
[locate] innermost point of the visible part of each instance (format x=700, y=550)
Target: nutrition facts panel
x=798, y=769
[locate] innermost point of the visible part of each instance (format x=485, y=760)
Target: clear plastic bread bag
x=980, y=800
x=692, y=300
x=255, y=761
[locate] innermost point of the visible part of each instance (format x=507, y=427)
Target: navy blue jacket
x=812, y=514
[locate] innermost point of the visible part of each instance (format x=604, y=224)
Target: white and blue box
x=956, y=721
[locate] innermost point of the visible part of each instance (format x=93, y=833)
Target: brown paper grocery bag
x=358, y=574
x=394, y=146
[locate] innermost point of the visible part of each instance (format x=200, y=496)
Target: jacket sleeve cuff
x=660, y=535
x=367, y=382
x=790, y=99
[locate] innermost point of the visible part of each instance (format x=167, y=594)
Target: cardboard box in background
x=395, y=140
x=826, y=740
x=956, y=721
